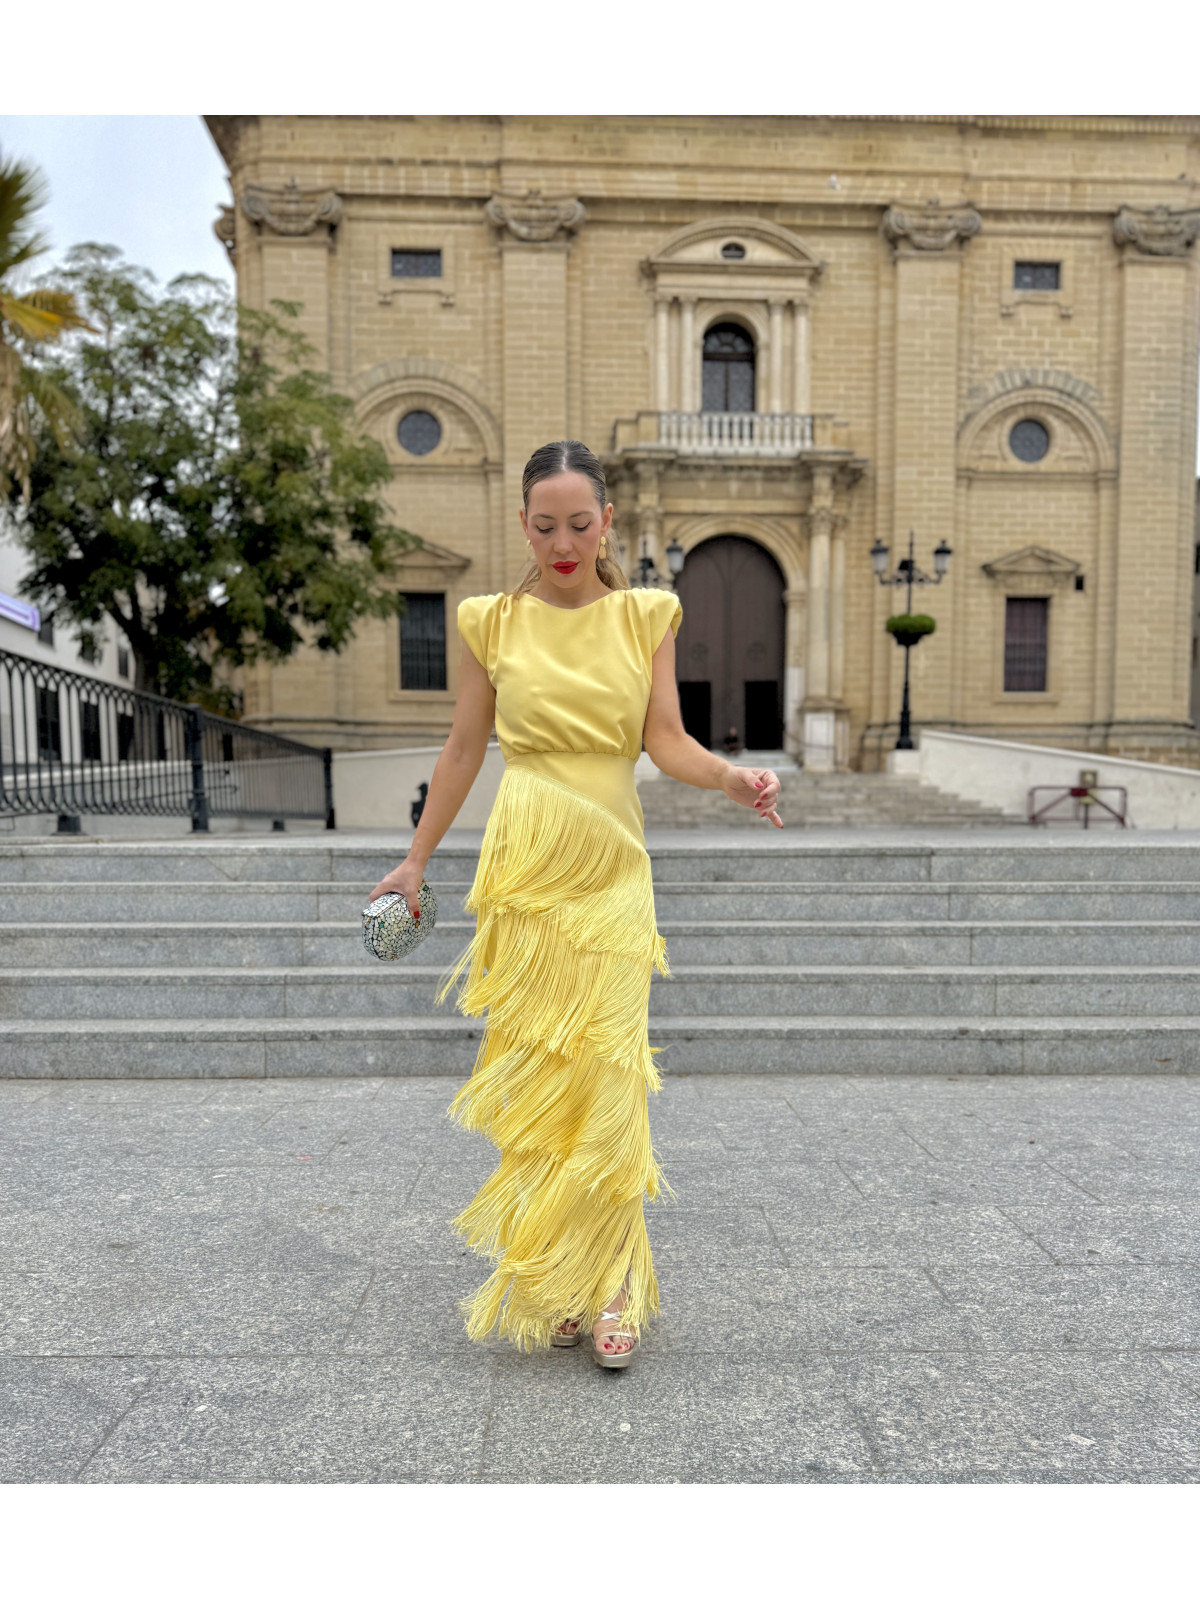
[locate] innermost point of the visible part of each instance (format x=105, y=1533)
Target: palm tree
x=26, y=319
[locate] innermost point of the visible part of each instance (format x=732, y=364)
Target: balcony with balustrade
x=748, y=435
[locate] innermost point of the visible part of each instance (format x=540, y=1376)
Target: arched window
x=728, y=369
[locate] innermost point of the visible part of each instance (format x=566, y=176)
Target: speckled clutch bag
x=388, y=928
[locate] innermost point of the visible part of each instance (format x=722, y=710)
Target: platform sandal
x=614, y=1358
x=565, y=1340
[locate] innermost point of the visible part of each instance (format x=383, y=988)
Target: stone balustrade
x=735, y=433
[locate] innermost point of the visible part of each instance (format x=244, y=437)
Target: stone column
x=795, y=642
x=662, y=354
x=775, y=358
x=687, y=355
x=927, y=253
x=837, y=614
x=535, y=237
x=648, y=523
x=1155, y=504
x=801, y=359
x=819, y=717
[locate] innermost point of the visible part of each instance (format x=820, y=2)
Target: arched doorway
x=730, y=655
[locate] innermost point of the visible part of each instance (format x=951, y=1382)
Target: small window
x=1025, y=633
x=416, y=263
x=419, y=432
x=49, y=726
x=1036, y=274
x=733, y=251
x=89, y=650
x=122, y=662
x=89, y=729
x=423, y=642
x=46, y=631
x=1029, y=440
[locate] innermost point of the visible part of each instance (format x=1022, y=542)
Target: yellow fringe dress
x=561, y=959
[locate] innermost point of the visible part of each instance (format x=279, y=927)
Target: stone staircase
x=821, y=800
x=993, y=952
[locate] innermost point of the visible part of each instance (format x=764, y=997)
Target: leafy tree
x=28, y=397
x=219, y=503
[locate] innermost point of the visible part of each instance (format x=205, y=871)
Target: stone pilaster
x=534, y=237
x=1153, y=582
x=927, y=245
x=296, y=231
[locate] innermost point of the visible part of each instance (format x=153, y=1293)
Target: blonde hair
x=569, y=455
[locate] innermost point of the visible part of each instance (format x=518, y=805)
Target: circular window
x=733, y=251
x=1029, y=440
x=419, y=432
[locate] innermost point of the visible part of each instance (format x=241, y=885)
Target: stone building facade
x=792, y=340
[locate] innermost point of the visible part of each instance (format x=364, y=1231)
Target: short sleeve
x=665, y=612
x=472, y=626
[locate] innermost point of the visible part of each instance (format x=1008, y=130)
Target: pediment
x=1031, y=565
x=435, y=557
x=768, y=248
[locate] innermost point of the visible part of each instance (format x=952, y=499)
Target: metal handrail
x=72, y=744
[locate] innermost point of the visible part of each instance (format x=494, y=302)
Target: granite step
x=713, y=942
x=403, y=990
x=945, y=1046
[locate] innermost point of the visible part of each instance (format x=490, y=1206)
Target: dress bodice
x=571, y=680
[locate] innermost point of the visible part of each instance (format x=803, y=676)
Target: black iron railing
x=72, y=744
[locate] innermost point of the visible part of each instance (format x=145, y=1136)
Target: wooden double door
x=730, y=651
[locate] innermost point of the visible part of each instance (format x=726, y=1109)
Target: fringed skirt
x=562, y=956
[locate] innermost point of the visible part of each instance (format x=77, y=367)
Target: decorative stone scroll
x=931, y=228
x=1157, y=232
x=225, y=228
x=535, y=218
x=292, y=211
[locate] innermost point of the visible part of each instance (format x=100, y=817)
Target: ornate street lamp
x=675, y=558
x=908, y=573
x=648, y=574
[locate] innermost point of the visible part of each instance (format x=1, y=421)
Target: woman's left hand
x=757, y=787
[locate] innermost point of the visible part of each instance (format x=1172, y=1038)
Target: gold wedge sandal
x=560, y=1334
x=614, y=1358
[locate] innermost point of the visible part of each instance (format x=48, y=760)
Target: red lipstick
x=565, y=566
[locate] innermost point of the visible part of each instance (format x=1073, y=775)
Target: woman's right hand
x=406, y=879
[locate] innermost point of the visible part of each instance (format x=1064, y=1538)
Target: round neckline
x=550, y=606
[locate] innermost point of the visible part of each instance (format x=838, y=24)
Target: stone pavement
x=901, y=1279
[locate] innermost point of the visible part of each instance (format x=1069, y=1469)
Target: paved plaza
x=865, y=1279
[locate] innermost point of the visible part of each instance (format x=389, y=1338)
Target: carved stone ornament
x=1031, y=570
x=533, y=217
x=1157, y=232
x=225, y=228
x=931, y=228
x=292, y=211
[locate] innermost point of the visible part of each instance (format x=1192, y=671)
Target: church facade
x=795, y=342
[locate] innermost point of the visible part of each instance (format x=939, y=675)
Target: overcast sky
x=150, y=185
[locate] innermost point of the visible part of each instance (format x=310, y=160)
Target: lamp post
x=648, y=574
x=908, y=573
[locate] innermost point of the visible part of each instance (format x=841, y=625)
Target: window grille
x=423, y=642
x=1036, y=274
x=1025, y=634
x=416, y=263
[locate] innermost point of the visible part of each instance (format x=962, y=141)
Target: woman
x=577, y=670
